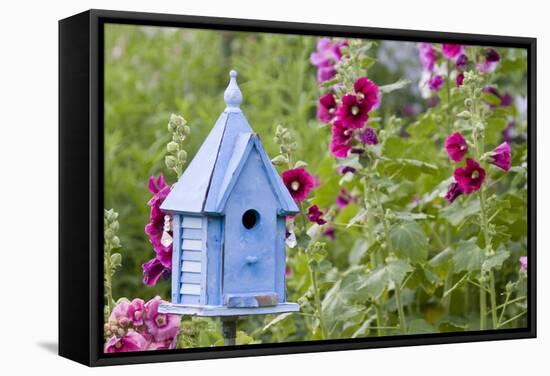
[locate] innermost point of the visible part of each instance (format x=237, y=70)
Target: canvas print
x=268, y=188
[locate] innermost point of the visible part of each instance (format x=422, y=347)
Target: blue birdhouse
x=229, y=210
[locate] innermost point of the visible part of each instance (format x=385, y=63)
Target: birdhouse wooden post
x=229, y=210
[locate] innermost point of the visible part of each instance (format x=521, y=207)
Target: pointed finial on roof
x=232, y=95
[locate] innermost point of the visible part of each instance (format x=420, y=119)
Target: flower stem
x=482, y=308
x=402, y=321
x=317, y=298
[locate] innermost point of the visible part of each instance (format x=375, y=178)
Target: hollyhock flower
x=357, y=151
x=327, y=108
x=325, y=58
x=456, y=146
x=299, y=183
x=459, y=79
x=508, y=132
x=432, y=101
x=428, y=56
x=469, y=177
x=501, y=156
x=523, y=263
x=119, y=314
x=314, y=214
x=506, y=100
x=329, y=233
x=453, y=192
x=152, y=271
x=435, y=83
x=461, y=62
x=161, y=326
x=353, y=113
x=156, y=228
x=451, y=50
x=136, y=311
x=341, y=139
x=345, y=169
x=367, y=92
x=368, y=136
x=131, y=341
x=491, y=59
x=344, y=198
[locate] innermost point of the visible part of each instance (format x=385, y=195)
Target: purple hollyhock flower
x=368, y=92
x=152, y=271
x=459, y=79
x=451, y=50
x=136, y=311
x=506, y=100
x=345, y=169
x=327, y=108
x=344, y=198
x=325, y=58
x=461, y=62
x=469, y=177
x=453, y=192
x=523, y=263
x=456, y=146
x=432, y=101
x=161, y=326
x=131, y=341
x=353, y=113
x=329, y=233
x=428, y=56
x=314, y=214
x=368, y=136
x=508, y=132
x=435, y=83
x=299, y=183
x=491, y=59
x=501, y=156
x=341, y=139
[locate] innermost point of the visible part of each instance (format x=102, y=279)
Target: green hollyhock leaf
x=468, y=256
x=458, y=211
x=420, y=326
x=495, y=261
x=409, y=241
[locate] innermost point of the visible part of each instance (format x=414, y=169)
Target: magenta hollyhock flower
x=456, y=146
x=368, y=136
x=508, y=132
x=453, y=192
x=523, y=263
x=136, y=311
x=155, y=228
x=327, y=108
x=131, y=341
x=501, y=156
x=491, y=59
x=341, y=139
x=459, y=79
x=153, y=270
x=315, y=215
x=329, y=233
x=428, y=56
x=435, y=83
x=161, y=326
x=461, y=62
x=353, y=113
x=469, y=177
x=325, y=58
x=506, y=100
x=299, y=183
x=367, y=91
x=451, y=50
x=343, y=198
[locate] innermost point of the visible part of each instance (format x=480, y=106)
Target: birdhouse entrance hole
x=250, y=218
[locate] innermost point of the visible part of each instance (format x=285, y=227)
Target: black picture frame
x=81, y=185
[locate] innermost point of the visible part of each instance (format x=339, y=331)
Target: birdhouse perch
x=229, y=210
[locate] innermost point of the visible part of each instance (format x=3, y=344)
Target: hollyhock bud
x=453, y=192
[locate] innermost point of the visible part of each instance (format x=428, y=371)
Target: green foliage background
x=151, y=72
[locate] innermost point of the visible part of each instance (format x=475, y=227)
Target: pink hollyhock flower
x=163, y=345
x=353, y=113
x=428, y=56
x=119, y=314
x=341, y=139
x=155, y=228
x=299, y=183
x=451, y=50
x=523, y=263
x=153, y=270
x=327, y=108
x=325, y=58
x=435, y=83
x=367, y=91
x=136, y=311
x=456, y=147
x=368, y=136
x=461, y=62
x=344, y=198
x=161, y=326
x=501, y=156
x=491, y=59
x=459, y=79
x=469, y=177
x=315, y=215
x=453, y=192
x=131, y=341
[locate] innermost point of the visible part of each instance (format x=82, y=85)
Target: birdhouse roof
x=208, y=180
